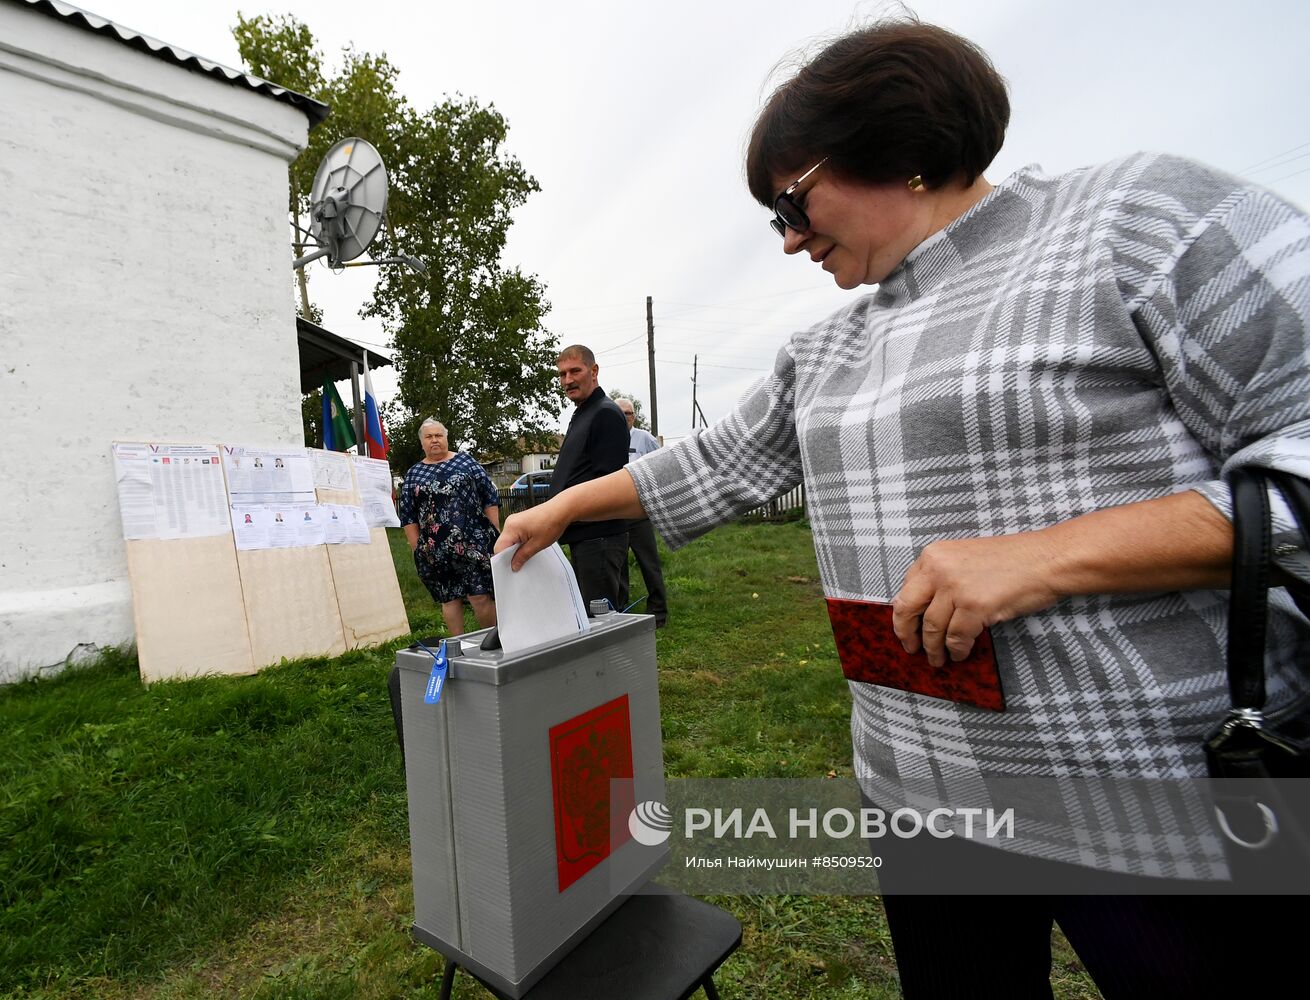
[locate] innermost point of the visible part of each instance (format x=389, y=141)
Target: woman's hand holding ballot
x=958, y=587
x=532, y=530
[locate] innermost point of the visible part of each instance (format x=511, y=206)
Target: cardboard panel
x=187, y=607
x=291, y=607
x=368, y=593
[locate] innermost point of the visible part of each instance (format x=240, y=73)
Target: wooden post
x=695, y=360
x=650, y=360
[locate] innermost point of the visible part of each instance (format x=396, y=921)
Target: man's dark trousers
x=601, y=566
x=641, y=539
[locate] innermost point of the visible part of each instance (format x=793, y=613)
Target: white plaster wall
x=145, y=294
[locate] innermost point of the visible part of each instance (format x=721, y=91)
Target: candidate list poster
x=170, y=490
x=268, y=476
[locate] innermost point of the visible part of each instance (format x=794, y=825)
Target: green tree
x=282, y=50
x=311, y=415
x=471, y=345
x=402, y=432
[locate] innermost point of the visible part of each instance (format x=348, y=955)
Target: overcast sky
x=633, y=118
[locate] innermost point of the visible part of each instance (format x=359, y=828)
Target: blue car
x=540, y=484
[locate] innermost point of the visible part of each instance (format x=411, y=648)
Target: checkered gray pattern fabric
x=1106, y=336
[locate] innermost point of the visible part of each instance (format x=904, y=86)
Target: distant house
x=505, y=469
x=148, y=296
x=535, y=461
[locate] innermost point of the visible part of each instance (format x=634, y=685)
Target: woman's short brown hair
x=884, y=103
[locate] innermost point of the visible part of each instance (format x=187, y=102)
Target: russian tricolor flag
x=374, y=433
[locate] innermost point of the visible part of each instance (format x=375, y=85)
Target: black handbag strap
x=1252, y=559
x=1249, y=598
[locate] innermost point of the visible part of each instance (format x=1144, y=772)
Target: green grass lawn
x=248, y=837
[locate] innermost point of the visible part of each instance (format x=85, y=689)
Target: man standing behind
x=596, y=444
x=641, y=536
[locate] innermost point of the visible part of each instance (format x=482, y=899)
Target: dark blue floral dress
x=447, y=501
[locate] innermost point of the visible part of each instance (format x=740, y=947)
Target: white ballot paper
x=539, y=603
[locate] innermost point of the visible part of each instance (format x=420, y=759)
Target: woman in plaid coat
x=1024, y=428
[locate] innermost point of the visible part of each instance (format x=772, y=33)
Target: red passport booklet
x=870, y=652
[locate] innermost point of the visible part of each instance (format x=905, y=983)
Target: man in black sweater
x=596, y=444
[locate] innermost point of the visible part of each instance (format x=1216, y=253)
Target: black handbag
x=1260, y=762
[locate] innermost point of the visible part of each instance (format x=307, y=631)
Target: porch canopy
x=324, y=354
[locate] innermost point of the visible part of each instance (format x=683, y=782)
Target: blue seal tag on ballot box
x=437, y=679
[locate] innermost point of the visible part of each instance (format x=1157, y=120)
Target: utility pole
x=650, y=360
x=695, y=360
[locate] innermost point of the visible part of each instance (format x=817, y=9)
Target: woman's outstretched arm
x=534, y=529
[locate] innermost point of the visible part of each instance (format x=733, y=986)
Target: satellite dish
x=348, y=200
x=348, y=206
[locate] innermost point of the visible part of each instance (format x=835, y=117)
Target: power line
x=1277, y=156
x=1281, y=163
x=704, y=364
x=693, y=306
x=685, y=364
x=734, y=357
x=691, y=323
x=1294, y=173
x=607, y=305
x=368, y=343
x=606, y=350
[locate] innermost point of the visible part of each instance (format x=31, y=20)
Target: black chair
x=659, y=945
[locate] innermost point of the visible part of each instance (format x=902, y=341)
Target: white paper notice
x=345, y=525
x=374, y=475
x=251, y=527
x=268, y=475
x=539, y=603
x=279, y=527
x=170, y=490
x=309, y=523
x=331, y=470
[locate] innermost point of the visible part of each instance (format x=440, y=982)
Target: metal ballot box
x=519, y=801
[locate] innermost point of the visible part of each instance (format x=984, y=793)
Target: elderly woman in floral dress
x=450, y=511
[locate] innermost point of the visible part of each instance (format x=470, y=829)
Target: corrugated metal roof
x=316, y=111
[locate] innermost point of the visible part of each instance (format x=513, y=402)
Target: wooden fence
x=790, y=506
x=513, y=504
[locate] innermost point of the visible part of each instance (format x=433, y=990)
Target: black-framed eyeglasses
x=787, y=214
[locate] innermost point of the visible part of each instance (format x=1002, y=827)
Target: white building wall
x=145, y=294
